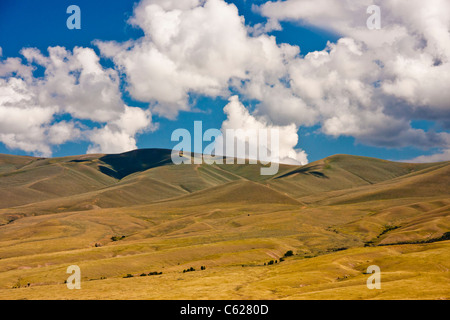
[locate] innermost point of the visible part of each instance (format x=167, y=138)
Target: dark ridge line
x=444, y=237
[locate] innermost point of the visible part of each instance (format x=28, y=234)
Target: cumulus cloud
x=119, y=135
x=344, y=85
x=204, y=48
x=372, y=83
x=369, y=85
x=238, y=117
x=192, y=47
x=73, y=83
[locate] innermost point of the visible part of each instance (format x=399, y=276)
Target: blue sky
x=41, y=24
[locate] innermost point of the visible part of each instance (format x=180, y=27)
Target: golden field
x=135, y=213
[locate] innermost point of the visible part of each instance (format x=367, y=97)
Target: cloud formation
x=238, y=117
x=191, y=46
x=437, y=157
x=75, y=84
x=203, y=48
x=370, y=85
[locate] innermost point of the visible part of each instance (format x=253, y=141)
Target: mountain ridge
x=28, y=180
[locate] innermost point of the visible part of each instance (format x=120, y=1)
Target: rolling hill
x=136, y=213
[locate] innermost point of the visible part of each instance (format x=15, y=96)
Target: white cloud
x=369, y=85
x=238, y=117
x=192, y=47
x=78, y=84
x=204, y=47
x=119, y=135
x=372, y=83
x=24, y=124
x=437, y=157
x=73, y=83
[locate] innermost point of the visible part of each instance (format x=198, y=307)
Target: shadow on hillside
x=121, y=165
x=309, y=170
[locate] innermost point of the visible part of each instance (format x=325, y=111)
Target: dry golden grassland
x=136, y=213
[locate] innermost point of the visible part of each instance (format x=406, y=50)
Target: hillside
x=136, y=213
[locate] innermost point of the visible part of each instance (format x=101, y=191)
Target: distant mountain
x=147, y=175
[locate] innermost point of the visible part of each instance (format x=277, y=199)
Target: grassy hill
x=136, y=213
